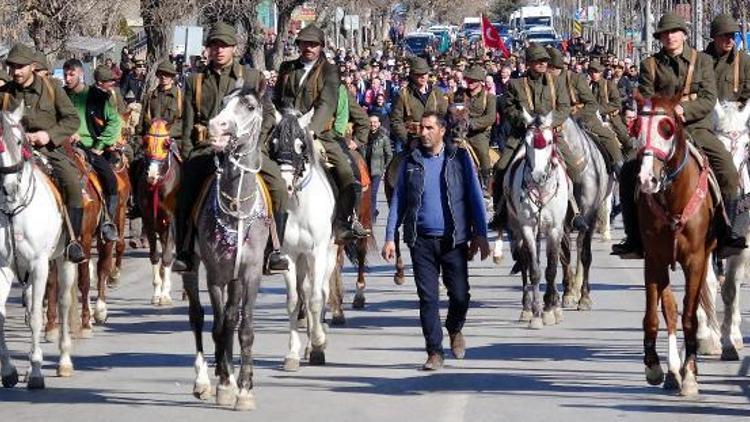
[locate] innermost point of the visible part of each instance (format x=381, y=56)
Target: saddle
x=89, y=180
x=713, y=184
x=463, y=143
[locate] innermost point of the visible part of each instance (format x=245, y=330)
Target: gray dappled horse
x=233, y=228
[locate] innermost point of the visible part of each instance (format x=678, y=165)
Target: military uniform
x=733, y=68
x=481, y=118
x=48, y=108
x=607, y=96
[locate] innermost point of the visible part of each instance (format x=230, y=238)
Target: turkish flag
x=491, y=38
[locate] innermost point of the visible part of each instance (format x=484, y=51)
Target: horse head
x=236, y=129
x=14, y=149
x=458, y=122
x=156, y=146
x=540, y=145
x=731, y=127
x=659, y=135
x=292, y=147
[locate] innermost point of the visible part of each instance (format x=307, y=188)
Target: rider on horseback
x=310, y=82
x=49, y=120
x=100, y=128
x=678, y=69
x=607, y=96
x=481, y=106
x=731, y=66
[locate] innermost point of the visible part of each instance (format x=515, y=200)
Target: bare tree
x=159, y=18
x=285, y=9
x=245, y=13
x=50, y=23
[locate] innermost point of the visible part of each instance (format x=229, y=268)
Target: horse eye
x=666, y=128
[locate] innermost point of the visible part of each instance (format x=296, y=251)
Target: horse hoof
x=338, y=320
x=225, y=395
x=672, y=382
x=113, y=283
x=202, y=391
x=558, y=315
x=709, y=347
x=87, y=333
x=52, y=335
x=10, y=380
x=525, y=316
x=689, y=386
x=291, y=365
x=585, y=304
x=155, y=299
x=654, y=375
x=359, y=302
x=65, y=371
x=730, y=353
x=317, y=357
x=398, y=279
x=245, y=401
x=35, y=383
x=165, y=300
x=548, y=318
x=536, y=323
x=569, y=302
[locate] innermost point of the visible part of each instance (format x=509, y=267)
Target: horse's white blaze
x=649, y=182
x=674, y=362
x=152, y=174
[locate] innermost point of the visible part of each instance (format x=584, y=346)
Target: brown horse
x=357, y=251
x=156, y=195
x=675, y=210
x=391, y=178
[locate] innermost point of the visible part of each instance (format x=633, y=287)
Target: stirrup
x=74, y=252
x=109, y=231
x=277, y=262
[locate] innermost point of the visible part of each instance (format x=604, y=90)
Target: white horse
x=731, y=127
x=26, y=248
x=537, y=201
x=308, y=241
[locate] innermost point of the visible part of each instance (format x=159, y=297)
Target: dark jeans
x=104, y=170
x=429, y=257
x=374, y=186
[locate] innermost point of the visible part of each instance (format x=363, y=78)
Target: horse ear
x=547, y=120
x=17, y=114
x=527, y=117
x=718, y=111
x=239, y=83
x=746, y=112
x=278, y=116
x=305, y=120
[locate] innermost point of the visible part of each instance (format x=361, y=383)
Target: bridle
x=229, y=205
x=535, y=189
x=17, y=169
x=646, y=115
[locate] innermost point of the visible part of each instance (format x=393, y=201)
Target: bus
x=530, y=16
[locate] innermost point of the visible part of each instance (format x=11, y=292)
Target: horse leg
x=602, y=217
x=731, y=337
x=227, y=389
x=318, y=274
x=565, y=253
x=669, y=310
x=291, y=361
x=335, y=301
x=84, y=287
x=66, y=295
x=709, y=338
x=399, y=276
x=245, y=397
x=51, y=331
x=202, y=384
x=575, y=287
x=551, y=296
x=695, y=274
x=38, y=276
x=8, y=371
x=167, y=255
x=585, y=303
x=359, y=296
x=153, y=254
x=103, y=270
x=535, y=275
x=656, y=279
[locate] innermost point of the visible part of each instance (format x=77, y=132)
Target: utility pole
x=648, y=29
x=698, y=24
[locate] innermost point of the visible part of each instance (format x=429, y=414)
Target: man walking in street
x=439, y=202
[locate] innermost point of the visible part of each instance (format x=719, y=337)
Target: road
x=138, y=367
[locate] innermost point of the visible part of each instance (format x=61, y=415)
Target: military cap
x=475, y=73
x=21, y=55
x=596, y=66
x=555, y=58
x=669, y=22
x=140, y=63
x=41, y=61
x=535, y=52
x=166, y=67
x=222, y=32
x=311, y=33
x=724, y=24
x=103, y=73
x=418, y=66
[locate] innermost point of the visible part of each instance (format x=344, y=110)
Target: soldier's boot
x=730, y=239
x=184, y=259
x=631, y=247
x=347, y=225
x=74, y=251
x=108, y=228
x=277, y=261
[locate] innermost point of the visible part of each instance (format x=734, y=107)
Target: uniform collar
x=231, y=70
x=729, y=56
x=686, y=52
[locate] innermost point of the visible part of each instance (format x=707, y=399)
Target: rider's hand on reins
x=679, y=112
x=40, y=138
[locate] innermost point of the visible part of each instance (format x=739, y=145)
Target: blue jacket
x=466, y=204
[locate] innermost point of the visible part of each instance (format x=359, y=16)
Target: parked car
x=417, y=43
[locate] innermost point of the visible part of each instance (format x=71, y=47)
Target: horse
x=232, y=222
x=357, y=251
x=592, y=186
x=308, y=241
x=391, y=178
x=157, y=197
x=731, y=127
x=27, y=247
x=675, y=211
x=537, y=190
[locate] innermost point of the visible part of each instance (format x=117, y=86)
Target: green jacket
x=166, y=105
x=607, y=97
x=724, y=68
x=410, y=106
x=582, y=100
x=542, y=90
x=319, y=90
x=101, y=125
x=214, y=87
x=482, y=115
x=666, y=82
x=48, y=108
x=342, y=111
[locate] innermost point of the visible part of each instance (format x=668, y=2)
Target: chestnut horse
x=675, y=210
x=158, y=184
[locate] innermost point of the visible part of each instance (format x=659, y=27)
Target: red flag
x=491, y=38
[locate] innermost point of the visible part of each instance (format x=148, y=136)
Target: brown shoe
x=434, y=362
x=458, y=345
